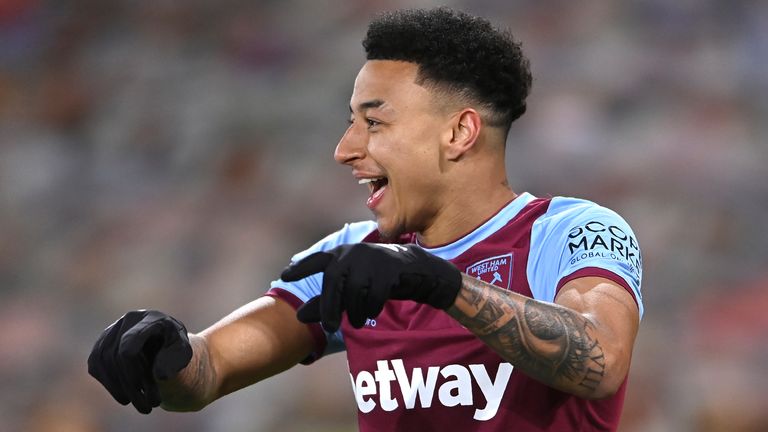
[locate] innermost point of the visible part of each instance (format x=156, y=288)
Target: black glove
x=138, y=349
x=360, y=278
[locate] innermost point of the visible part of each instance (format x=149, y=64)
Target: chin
x=389, y=232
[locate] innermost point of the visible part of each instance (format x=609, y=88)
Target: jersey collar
x=506, y=214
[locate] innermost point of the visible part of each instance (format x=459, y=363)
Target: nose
x=351, y=146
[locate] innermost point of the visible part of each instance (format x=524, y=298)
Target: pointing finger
x=310, y=265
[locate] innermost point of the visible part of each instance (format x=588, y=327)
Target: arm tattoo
x=548, y=342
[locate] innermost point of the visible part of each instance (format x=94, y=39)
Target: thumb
x=172, y=358
x=174, y=354
x=309, y=312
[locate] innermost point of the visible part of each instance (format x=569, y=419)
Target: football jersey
x=414, y=367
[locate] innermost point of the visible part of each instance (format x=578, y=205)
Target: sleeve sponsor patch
x=600, y=240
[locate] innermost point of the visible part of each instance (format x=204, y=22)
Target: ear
x=465, y=131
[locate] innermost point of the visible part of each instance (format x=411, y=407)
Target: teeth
x=368, y=180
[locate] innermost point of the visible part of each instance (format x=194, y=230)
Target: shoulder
x=575, y=236
x=575, y=219
x=353, y=232
x=583, y=224
x=566, y=210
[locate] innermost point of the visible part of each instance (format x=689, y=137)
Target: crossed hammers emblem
x=496, y=277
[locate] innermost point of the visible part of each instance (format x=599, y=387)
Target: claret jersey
x=414, y=367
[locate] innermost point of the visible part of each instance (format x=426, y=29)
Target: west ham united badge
x=495, y=270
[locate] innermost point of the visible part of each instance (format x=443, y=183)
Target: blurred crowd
x=174, y=154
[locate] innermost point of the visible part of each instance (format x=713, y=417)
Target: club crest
x=495, y=270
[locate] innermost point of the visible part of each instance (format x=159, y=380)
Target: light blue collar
x=452, y=250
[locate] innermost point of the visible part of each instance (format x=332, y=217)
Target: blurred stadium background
x=174, y=154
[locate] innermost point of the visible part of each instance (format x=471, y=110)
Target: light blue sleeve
x=311, y=286
x=577, y=234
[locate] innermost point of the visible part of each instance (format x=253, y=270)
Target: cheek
x=410, y=159
x=416, y=178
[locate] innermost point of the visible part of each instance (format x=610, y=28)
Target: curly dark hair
x=457, y=53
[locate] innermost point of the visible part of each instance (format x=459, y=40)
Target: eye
x=372, y=123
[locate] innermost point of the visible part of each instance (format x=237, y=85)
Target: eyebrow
x=375, y=103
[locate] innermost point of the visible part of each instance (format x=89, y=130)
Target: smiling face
x=393, y=145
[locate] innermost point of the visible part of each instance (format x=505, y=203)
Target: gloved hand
x=137, y=350
x=359, y=278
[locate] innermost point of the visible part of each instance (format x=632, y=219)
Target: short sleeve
x=578, y=238
x=298, y=292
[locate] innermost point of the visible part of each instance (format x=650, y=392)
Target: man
x=464, y=306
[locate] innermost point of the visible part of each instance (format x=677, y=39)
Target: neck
x=465, y=212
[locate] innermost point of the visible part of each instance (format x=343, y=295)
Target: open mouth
x=376, y=186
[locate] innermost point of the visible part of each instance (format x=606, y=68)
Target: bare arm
x=256, y=341
x=581, y=344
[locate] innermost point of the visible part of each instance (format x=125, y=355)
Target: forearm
x=553, y=344
x=193, y=387
x=256, y=341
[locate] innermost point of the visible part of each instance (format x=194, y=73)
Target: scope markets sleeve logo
x=597, y=239
x=495, y=270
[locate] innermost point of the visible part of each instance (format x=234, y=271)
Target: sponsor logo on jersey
x=495, y=270
x=419, y=389
x=596, y=239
